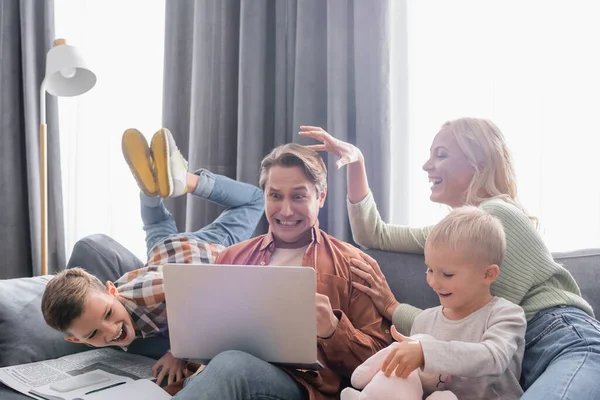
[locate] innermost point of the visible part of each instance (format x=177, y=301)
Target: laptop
x=266, y=311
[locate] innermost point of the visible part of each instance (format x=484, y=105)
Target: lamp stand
x=44, y=197
x=66, y=75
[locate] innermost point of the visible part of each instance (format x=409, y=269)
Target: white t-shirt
x=482, y=352
x=288, y=257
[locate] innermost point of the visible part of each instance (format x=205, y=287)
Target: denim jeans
x=235, y=375
x=562, y=356
x=243, y=203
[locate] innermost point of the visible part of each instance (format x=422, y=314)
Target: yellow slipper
x=137, y=154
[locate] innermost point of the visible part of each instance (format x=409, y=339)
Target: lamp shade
x=66, y=72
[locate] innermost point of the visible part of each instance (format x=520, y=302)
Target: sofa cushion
x=25, y=337
x=405, y=274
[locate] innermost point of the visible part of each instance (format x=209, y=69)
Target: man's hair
x=295, y=155
x=65, y=295
x=473, y=231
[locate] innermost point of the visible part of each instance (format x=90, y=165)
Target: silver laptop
x=266, y=311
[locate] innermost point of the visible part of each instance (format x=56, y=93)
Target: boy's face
x=291, y=206
x=462, y=284
x=104, y=321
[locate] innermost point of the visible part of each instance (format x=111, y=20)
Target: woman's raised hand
x=347, y=152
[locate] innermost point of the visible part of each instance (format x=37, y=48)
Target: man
x=349, y=328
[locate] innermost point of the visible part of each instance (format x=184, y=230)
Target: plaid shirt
x=142, y=292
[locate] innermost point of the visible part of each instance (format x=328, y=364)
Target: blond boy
x=474, y=342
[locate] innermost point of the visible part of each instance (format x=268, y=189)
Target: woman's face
x=449, y=171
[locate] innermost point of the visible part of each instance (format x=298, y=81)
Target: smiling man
x=349, y=327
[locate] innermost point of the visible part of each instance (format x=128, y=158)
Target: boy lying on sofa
x=115, y=314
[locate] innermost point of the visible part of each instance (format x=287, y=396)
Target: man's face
x=291, y=206
x=104, y=321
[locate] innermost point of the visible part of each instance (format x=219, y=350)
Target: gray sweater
x=482, y=352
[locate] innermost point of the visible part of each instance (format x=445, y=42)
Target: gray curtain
x=26, y=34
x=242, y=76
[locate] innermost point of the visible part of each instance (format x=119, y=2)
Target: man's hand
x=327, y=322
x=405, y=357
x=168, y=365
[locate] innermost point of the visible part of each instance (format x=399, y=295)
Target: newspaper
x=75, y=376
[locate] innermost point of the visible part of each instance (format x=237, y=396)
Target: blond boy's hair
x=295, y=155
x=65, y=295
x=473, y=231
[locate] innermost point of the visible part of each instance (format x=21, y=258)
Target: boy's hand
x=405, y=357
x=168, y=365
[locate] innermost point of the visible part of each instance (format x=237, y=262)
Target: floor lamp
x=66, y=75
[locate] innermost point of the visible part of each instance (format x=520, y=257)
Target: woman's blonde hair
x=485, y=148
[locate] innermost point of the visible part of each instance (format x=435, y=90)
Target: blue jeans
x=244, y=205
x=562, y=356
x=235, y=375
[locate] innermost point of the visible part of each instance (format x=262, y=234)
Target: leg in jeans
x=235, y=375
x=562, y=356
x=158, y=221
x=243, y=203
x=103, y=257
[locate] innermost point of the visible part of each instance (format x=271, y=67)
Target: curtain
x=240, y=77
x=26, y=34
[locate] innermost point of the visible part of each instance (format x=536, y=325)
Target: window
x=532, y=68
x=122, y=42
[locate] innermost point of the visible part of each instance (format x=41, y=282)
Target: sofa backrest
x=24, y=335
x=405, y=274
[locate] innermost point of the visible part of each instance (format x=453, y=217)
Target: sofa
x=24, y=337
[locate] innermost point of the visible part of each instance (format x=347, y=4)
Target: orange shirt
x=361, y=331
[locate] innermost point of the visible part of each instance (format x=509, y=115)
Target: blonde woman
x=470, y=164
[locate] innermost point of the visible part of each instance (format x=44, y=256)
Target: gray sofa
x=24, y=337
